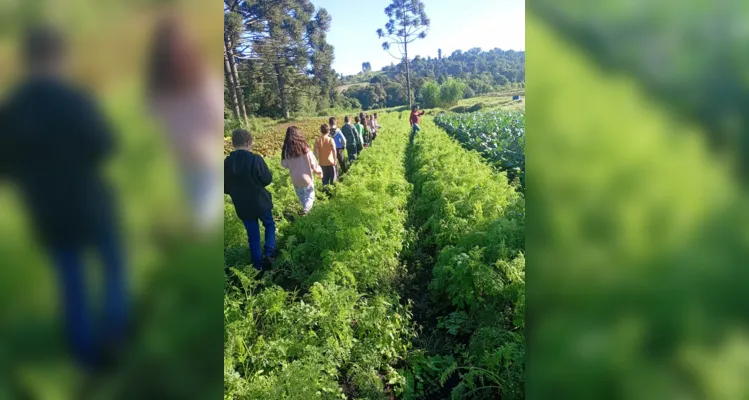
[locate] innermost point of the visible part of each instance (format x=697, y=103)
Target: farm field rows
x=468, y=265
x=333, y=318
x=498, y=135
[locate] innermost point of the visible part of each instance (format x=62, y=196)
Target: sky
x=455, y=25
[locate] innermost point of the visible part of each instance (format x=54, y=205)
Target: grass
x=496, y=101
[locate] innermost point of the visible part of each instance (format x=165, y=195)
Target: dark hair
x=356, y=119
x=324, y=128
x=294, y=145
x=332, y=121
x=362, y=115
x=167, y=71
x=375, y=115
x=414, y=107
x=346, y=119
x=43, y=44
x=241, y=138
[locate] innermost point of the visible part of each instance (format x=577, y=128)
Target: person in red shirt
x=415, y=118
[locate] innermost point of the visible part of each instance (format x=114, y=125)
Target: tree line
x=277, y=59
x=440, y=81
x=278, y=62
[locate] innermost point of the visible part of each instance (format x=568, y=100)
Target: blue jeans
x=253, y=237
x=84, y=338
x=352, y=153
x=306, y=197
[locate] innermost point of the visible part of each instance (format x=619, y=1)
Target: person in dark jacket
x=352, y=138
x=55, y=141
x=246, y=176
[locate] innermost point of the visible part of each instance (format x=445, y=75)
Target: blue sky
x=455, y=25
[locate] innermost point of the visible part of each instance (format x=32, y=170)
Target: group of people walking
x=246, y=175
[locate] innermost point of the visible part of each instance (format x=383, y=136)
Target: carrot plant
x=469, y=225
x=338, y=330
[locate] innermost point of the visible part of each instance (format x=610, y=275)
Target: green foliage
x=430, y=94
x=483, y=71
x=480, y=72
x=638, y=272
x=327, y=324
x=289, y=66
x=350, y=244
x=446, y=95
x=451, y=92
x=473, y=222
x=468, y=92
x=343, y=333
x=369, y=96
x=455, y=189
x=498, y=135
x=475, y=107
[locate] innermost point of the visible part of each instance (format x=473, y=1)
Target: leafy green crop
x=345, y=332
x=329, y=321
x=498, y=135
x=472, y=222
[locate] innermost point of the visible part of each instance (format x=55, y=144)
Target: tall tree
x=439, y=54
x=366, y=67
x=283, y=54
x=231, y=85
x=407, y=22
x=321, y=59
x=232, y=32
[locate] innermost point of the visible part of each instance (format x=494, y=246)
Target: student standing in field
x=325, y=151
x=340, y=145
x=415, y=118
x=359, y=134
x=246, y=176
x=352, y=138
x=55, y=144
x=365, y=127
x=297, y=157
x=187, y=102
x=373, y=126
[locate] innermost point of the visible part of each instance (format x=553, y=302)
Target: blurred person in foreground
x=189, y=103
x=55, y=142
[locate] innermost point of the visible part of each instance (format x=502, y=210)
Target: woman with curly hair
x=297, y=157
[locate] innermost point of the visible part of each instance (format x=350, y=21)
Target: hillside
x=477, y=73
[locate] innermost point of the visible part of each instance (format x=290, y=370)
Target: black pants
x=352, y=153
x=328, y=174
x=341, y=160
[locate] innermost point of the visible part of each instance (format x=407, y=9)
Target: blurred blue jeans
x=86, y=339
x=253, y=237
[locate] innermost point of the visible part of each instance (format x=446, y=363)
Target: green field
x=497, y=101
x=349, y=292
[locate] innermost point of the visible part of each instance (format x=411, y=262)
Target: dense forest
x=471, y=73
x=277, y=59
x=278, y=63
